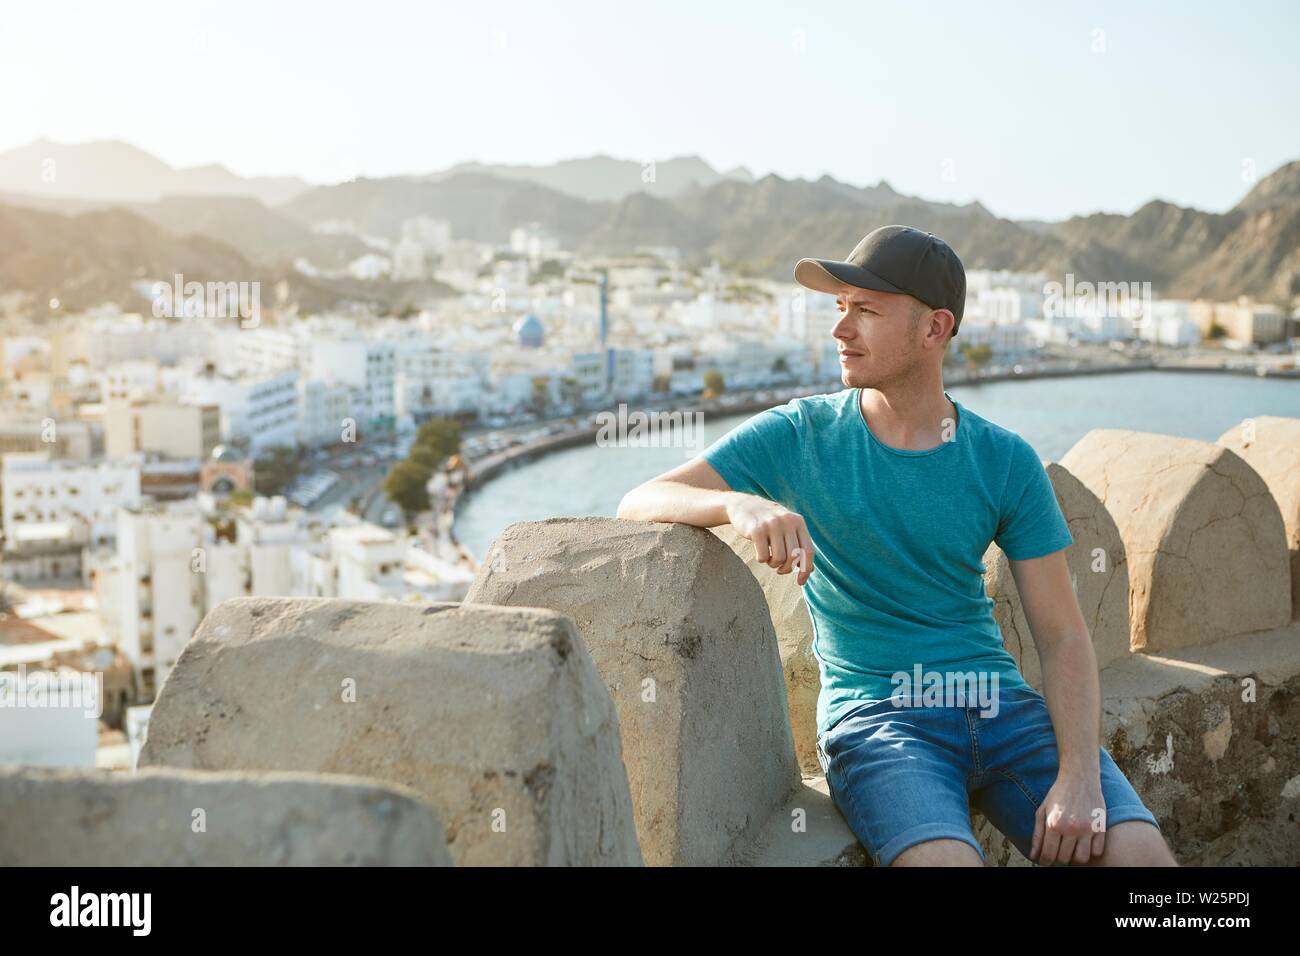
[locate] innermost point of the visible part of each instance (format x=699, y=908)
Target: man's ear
x=943, y=331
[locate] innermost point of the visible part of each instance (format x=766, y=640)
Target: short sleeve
x=756, y=457
x=1032, y=524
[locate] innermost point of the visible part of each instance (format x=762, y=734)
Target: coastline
x=486, y=468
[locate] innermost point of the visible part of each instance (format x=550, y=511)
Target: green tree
x=275, y=470
x=714, y=384
x=405, y=486
x=976, y=356
x=441, y=435
x=424, y=457
x=570, y=391
x=541, y=396
x=1216, y=331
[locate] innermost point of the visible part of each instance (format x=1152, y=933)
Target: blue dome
x=530, y=331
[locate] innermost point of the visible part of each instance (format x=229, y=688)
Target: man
x=882, y=499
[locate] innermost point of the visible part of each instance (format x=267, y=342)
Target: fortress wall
x=1271, y=446
x=680, y=633
x=189, y=818
x=639, y=691
x=1203, y=534
x=496, y=717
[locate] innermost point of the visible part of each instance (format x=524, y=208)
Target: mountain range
x=104, y=223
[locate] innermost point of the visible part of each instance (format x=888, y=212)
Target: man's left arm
x=1065, y=830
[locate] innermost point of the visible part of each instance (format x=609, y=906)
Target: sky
x=1037, y=110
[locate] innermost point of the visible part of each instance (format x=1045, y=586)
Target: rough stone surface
x=96, y=818
x=1205, y=543
x=1099, y=571
x=1210, y=738
x=495, y=717
x=794, y=638
x=681, y=635
x=807, y=831
x=1271, y=446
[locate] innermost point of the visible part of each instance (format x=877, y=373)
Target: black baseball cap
x=895, y=259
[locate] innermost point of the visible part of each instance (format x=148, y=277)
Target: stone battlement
x=618, y=693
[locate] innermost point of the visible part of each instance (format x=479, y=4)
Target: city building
x=166, y=428
x=36, y=488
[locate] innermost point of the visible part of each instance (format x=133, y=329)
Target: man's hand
x=780, y=537
x=1070, y=826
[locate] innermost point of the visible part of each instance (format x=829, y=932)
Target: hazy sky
x=1036, y=112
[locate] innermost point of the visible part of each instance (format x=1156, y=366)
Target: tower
x=604, y=332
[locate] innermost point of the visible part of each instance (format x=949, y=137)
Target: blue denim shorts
x=904, y=775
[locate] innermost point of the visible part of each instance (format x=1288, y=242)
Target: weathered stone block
x=496, y=717
x=794, y=638
x=1204, y=538
x=187, y=818
x=681, y=635
x=1209, y=736
x=1099, y=571
x=1271, y=446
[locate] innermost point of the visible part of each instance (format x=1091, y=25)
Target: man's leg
x=899, y=777
x=939, y=853
x=1134, y=843
x=1019, y=765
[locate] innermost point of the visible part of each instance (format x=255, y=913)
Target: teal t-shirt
x=898, y=578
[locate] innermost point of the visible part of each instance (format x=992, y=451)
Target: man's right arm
x=694, y=493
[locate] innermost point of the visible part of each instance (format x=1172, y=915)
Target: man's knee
x=1134, y=843
x=939, y=853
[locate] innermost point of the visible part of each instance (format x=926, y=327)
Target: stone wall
x=616, y=692
x=183, y=818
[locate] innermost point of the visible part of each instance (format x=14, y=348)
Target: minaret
x=604, y=310
x=604, y=332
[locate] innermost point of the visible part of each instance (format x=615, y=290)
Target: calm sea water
x=1051, y=414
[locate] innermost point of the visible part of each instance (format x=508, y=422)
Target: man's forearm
x=1073, y=697
x=674, y=501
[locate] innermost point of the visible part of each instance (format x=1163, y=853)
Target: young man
x=882, y=499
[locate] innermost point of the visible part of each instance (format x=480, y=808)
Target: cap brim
x=829, y=276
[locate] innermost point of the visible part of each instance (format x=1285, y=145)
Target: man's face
x=880, y=341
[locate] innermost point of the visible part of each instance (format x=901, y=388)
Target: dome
x=226, y=453
x=530, y=331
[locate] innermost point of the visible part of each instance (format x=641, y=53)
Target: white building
x=36, y=488
x=170, y=429
x=323, y=408
x=161, y=582
x=1006, y=340
x=369, y=366
x=432, y=382
x=258, y=408
x=259, y=563
x=270, y=350
x=368, y=562
x=130, y=379
x=806, y=315
x=533, y=241
x=1170, y=323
